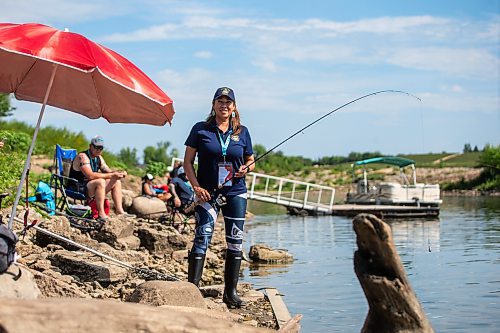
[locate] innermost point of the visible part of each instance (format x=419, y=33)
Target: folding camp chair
x=177, y=216
x=64, y=187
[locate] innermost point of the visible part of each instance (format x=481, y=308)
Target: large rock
x=129, y=243
x=161, y=241
x=221, y=312
x=18, y=282
x=55, y=287
x=90, y=315
x=263, y=253
x=114, y=229
x=129, y=256
x=127, y=198
x=148, y=207
x=83, y=265
x=168, y=293
x=58, y=225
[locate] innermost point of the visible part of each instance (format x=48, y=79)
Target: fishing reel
x=220, y=200
x=215, y=202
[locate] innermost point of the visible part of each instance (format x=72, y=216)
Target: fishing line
x=329, y=113
x=218, y=197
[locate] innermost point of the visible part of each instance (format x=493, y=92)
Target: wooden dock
x=301, y=198
x=382, y=211
x=279, y=307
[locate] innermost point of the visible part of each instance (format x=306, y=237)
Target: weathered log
x=393, y=306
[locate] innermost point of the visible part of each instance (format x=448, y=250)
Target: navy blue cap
x=225, y=91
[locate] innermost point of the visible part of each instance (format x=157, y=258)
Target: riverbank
x=62, y=270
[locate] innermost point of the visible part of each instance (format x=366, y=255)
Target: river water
x=453, y=264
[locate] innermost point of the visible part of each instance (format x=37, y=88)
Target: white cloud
x=418, y=42
x=204, y=54
x=57, y=11
x=266, y=64
x=382, y=25
x=469, y=62
x=456, y=88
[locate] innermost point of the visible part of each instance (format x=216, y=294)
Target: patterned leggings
x=234, y=219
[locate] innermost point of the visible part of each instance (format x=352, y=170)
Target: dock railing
x=290, y=193
x=287, y=192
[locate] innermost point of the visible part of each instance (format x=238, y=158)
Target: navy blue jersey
x=204, y=138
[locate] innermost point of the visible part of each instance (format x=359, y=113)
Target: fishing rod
x=220, y=200
x=145, y=273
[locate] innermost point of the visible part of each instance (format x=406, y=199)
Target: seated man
x=96, y=179
x=181, y=190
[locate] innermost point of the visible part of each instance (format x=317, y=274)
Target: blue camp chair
x=64, y=186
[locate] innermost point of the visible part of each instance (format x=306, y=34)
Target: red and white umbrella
x=66, y=70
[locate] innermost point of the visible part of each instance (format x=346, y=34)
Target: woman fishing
x=225, y=156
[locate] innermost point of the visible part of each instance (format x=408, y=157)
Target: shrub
x=11, y=166
x=15, y=141
x=156, y=168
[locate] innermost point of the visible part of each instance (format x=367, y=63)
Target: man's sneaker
x=102, y=219
x=127, y=215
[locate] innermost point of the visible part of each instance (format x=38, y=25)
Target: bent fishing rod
x=323, y=117
x=219, y=199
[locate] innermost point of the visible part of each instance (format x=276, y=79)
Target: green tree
x=490, y=160
x=128, y=156
x=5, y=107
x=156, y=168
x=259, y=150
x=158, y=153
x=467, y=148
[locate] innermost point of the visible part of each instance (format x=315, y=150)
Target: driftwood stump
x=393, y=304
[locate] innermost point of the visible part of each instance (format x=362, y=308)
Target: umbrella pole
x=30, y=151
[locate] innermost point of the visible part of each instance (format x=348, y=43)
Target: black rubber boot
x=195, y=268
x=231, y=276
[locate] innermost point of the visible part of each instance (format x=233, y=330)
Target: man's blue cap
x=224, y=91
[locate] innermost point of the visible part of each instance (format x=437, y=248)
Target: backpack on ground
x=8, y=240
x=43, y=193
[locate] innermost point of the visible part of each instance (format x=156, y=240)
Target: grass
x=464, y=160
x=470, y=160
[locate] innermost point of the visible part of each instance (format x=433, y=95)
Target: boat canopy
x=393, y=160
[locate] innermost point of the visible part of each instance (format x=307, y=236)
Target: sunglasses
x=98, y=147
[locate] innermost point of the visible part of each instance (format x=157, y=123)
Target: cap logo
x=225, y=91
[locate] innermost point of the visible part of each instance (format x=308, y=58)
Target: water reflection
x=287, y=229
x=419, y=234
x=267, y=269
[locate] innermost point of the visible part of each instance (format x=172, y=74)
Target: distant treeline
x=17, y=137
x=279, y=163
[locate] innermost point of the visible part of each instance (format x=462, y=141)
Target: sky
x=291, y=62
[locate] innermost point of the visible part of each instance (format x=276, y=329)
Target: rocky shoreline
x=61, y=270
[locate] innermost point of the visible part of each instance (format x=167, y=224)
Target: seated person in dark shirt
x=181, y=190
x=96, y=179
